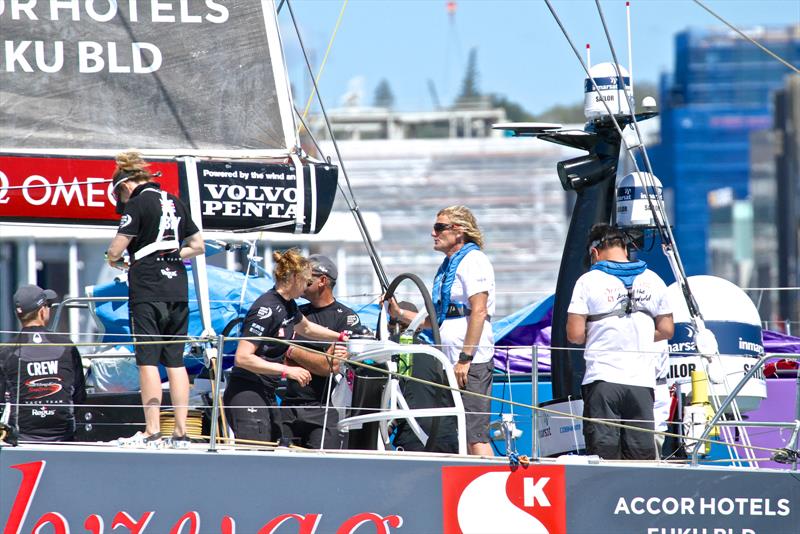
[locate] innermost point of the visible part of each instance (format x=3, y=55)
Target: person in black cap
x=42, y=375
x=159, y=234
x=303, y=418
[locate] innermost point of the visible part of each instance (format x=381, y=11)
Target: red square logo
x=484, y=499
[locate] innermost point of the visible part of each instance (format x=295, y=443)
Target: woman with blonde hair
x=463, y=295
x=157, y=230
x=250, y=403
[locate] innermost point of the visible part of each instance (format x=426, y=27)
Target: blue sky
x=521, y=51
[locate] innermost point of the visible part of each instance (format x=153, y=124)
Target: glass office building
x=718, y=95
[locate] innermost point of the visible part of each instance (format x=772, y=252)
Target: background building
x=509, y=183
x=719, y=94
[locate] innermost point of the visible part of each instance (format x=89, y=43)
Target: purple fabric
x=514, y=349
x=780, y=343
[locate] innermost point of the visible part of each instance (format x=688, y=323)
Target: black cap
x=323, y=265
x=30, y=298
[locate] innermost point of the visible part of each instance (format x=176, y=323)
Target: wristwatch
x=463, y=357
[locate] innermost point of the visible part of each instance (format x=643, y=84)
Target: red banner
x=65, y=189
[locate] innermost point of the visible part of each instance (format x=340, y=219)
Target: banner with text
x=76, y=191
x=266, y=196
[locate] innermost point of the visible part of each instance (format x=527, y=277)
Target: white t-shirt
x=620, y=349
x=474, y=275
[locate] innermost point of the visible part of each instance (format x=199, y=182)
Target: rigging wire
x=322, y=65
x=747, y=37
x=373, y=254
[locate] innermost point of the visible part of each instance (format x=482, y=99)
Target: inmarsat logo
x=497, y=499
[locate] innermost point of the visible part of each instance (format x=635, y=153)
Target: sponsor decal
x=75, y=190
x=42, y=412
x=169, y=273
x=501, y=499
x=352, y=320
x=189, y=522
x=242, y=195
x=125, y=220
x=38, y=388
x=256, y=329
x=264, y=312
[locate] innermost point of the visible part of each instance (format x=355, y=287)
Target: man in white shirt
x=618, y=309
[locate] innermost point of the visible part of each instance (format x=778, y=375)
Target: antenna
x=588, y=55
x=630, y=56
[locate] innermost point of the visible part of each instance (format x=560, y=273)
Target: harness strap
x=460, y=310
x=626, y=307
x=168, y=221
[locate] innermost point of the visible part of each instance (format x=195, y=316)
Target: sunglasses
x=441, y=227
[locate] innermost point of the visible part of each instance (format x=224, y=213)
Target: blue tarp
x=225, y=289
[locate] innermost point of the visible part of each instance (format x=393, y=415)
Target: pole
x=216, y=364
x=534, y=400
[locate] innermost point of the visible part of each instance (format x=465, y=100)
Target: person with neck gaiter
x=463, y=296
x=618, y=310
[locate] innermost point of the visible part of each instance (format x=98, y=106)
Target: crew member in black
x=249, y=399
x=303, y=418
x=159, y=234
x=42, y=383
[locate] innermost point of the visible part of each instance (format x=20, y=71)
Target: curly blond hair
x=288, y=263
x=131, y=166
x=463, y=217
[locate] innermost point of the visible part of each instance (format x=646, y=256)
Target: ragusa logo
x=498, y=499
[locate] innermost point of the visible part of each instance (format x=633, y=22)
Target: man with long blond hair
x=464, y=295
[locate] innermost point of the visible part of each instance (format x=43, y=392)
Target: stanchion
x=216, y=366
x=534, y=400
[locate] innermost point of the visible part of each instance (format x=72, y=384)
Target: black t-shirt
x=45, y=382
x=158, y=222
x=337, y=317
x=271, y=315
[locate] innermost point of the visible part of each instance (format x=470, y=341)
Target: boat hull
x=79, y=488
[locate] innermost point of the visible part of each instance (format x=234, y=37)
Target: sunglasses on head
x=441, y=227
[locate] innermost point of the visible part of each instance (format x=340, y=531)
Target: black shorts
x=306, y=426
x=251, y=410
x=159, y=321
x=479, y=380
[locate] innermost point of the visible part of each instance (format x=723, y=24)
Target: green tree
x=514, y=111
x=384, y=97
x=469, y=86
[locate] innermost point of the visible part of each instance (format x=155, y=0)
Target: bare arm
x=116, y=248
x=317, y=364
x=311, y=330
x=475, y=321
x=246, y=359
x=576, y=328
x=405, y=317
x=665, y=327
x=193, y=246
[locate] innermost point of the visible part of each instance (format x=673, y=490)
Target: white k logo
x=534, y=492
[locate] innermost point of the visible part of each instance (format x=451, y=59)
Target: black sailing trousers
x=630, y=405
